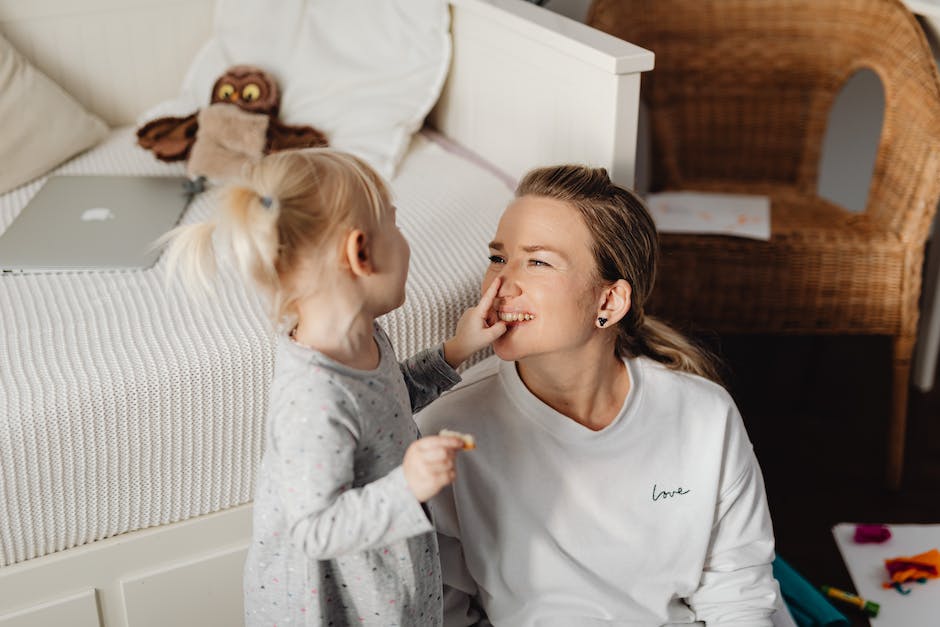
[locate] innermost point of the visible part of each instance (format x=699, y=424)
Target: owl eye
x=251, y=92
x=225, y=91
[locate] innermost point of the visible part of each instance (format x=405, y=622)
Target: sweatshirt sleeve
x=461, y=605
x=737, y=588
x=314, y=454
x=427, y=376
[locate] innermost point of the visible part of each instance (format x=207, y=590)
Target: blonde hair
x=625, y=246
x=292, y=206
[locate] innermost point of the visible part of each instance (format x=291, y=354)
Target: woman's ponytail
x=657, y=340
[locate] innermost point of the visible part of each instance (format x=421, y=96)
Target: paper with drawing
x=719, y=214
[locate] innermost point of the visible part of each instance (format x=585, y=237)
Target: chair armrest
x=905, y=185
x=528, y=87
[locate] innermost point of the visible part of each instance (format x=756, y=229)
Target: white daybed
x=131, y=419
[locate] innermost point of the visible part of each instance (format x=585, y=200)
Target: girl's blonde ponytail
x=190, y=253
x=242, y=226
x=249, y=230
x=290, y=206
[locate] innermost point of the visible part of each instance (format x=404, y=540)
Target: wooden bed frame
x=526, y=87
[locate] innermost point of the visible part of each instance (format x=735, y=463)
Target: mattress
x=124, y=404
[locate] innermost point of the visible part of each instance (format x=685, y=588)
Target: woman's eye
x=538, y=263
x=496, y=259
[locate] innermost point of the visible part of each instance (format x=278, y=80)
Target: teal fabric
x=805, y=602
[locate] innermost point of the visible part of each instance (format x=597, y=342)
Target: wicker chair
x=738, y=102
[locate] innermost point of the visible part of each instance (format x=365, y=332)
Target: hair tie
x=267, y=202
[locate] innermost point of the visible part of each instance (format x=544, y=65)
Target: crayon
x=869, y=607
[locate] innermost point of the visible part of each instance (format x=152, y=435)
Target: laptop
x=92, y=222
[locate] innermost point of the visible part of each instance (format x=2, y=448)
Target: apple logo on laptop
x=97, y=214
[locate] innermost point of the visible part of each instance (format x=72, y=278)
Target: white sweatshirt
x=658, y=518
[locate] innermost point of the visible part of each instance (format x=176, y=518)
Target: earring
x=602, y=321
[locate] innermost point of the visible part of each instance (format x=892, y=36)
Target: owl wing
x=284, y=137
x=170, y=138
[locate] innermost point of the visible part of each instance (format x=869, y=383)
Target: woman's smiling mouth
x=515, y=316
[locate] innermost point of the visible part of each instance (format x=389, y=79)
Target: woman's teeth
x=515, y=317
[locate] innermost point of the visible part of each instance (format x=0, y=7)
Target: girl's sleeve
x=737, y=588
x=427, y=376
x=326, y=517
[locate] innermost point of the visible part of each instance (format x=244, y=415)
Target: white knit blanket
x=125, y=405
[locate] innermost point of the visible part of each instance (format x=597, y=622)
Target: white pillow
x=40, y=124
x=366, y=72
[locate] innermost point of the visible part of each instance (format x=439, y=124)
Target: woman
x=613, y=482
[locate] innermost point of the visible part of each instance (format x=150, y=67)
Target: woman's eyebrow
x=532, y=248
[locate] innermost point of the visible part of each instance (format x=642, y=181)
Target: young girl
x=613, y=483
x=341, y=535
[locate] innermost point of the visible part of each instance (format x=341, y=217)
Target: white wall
x=848, y=153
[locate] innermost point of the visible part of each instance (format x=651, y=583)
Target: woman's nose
x=508, y=286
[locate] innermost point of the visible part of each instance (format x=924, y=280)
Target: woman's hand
x=429, y=464
x=477, y=329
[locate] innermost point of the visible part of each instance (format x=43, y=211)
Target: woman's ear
x=356, y=253
x=615, y=303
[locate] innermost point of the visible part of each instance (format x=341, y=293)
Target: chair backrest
x=742, y=89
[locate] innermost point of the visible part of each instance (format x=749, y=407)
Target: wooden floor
x=816, y=409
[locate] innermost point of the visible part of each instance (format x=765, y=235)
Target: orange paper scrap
x=905, y=569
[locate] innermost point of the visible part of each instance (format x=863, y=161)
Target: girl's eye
x=496, y=259
x=538, y=263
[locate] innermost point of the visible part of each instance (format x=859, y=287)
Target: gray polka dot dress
x=338, y=539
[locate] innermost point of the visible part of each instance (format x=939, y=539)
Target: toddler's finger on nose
x=490, y=294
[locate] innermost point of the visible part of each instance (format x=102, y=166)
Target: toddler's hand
x=429, y=464
x=476, y=329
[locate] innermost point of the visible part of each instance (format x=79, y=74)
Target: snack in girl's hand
x=469, y=442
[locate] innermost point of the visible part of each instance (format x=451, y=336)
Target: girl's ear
x=615, y=303
x=356, y=253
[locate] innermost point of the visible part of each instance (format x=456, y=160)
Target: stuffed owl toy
x=239, y=126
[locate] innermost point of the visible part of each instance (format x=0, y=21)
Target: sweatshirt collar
x=532, y=408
